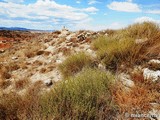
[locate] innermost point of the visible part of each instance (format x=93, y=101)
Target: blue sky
x=77, y=14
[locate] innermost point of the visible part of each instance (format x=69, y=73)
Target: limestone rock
x=151, y=74
x=126, y=80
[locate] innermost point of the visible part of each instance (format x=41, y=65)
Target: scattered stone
x=101, y=67
x=58, y=61
x=14, y=58
x=48, y=82
x=150, y=74
x=126, y=80
x=2, y=51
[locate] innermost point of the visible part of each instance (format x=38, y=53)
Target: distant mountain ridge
x=22, y=29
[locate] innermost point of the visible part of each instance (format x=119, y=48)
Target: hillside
x=104, y=75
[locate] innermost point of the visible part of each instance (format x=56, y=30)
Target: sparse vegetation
x=89, y=87
x=86, y=96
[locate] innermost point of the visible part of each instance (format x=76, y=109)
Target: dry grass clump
x=13, y=66
x=4, y=83
x=86, y=96
x=66, y=51
x=30, y=54
x=143, y=30
x=6, y=75
x=40, y=52
x=73, y=64
x=9, y=104
x=20, y=84
x=112, y=51
x=57, y=32
x=16, y=107
x=31, y=51
x=110, y=31
x=43, y=70
x=5, y=72
x=138, y=98
x=75, y=45
x=38, y=63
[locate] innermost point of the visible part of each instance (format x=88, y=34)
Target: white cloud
x=14, y=1
x=45, y=14
x=44, y=9
x=90, y=9
x=41, y=9
x=129, y=0
x=93, y=2
x=78, y=2
x=146, y=19
x=27, y=24
x=153, y=11
x=88, y=25
x=124, y=6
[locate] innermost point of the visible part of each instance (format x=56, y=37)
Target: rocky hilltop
x=43, y=61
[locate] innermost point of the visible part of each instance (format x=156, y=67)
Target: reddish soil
x=5, y=46
x=8, y=37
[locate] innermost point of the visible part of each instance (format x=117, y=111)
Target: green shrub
x=86, y=96
x=74, y=64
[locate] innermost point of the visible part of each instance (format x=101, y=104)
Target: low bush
x=74, y=63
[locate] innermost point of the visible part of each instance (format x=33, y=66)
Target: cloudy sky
x=77, y=14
